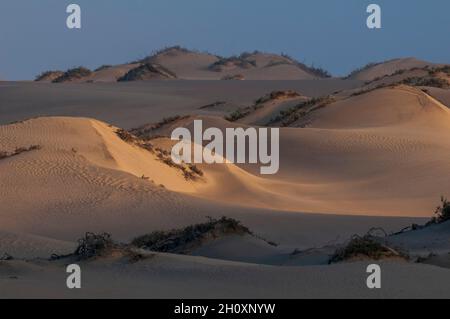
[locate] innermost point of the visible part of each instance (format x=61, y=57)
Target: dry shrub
x=71, y=74
x=180, y=240
x=367, y=246
x=442, y=212
x=6, y=257
x=94, y=245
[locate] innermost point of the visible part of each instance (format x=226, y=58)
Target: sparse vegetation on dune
x=443, y=69
x=94, y=245
x=246, y=61
x=278, y=95
x=190, y=171
x=295, y=113
x=238, y=114
x=442, y=212
x=144, y=130
x=370, y=89
x=6, y=257
x=316, y=71
x=366, y=247
x=242, y=61
x=184, y=239
x=442, y=215
x=274, y=95
x=169, y=50
x=19, y=150
x=49, y=75
x=177, y=241
x=427, y=81
x=431, y=76
x=73, y=74
x=368, y=66
x=147, y=71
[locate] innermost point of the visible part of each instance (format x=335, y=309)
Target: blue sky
x=328, y=33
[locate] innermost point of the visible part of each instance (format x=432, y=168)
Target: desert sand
x=373, y=159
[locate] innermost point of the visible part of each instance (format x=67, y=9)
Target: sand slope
x=376, y=153
x=378, y=70
x=84, y=178
x=336, y=166
x=168, y=276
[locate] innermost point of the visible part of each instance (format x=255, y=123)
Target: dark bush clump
x=180, y=240
x=6, y=257
x=238, y=114
x=366, y=246
x=433, y=82
x=93, y=245
x=125, y=136
x=49, y=76
x=147, y=71
x=19, y=150
x=442, y=212
x=73, y=74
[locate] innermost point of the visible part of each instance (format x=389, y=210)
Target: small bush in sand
x=18, y=151
x=237, y=115
x=194, y=168
x=146, y=131
x=190, y=172
x=72, y=74
x=316, y=71
x=432, y=82
x=48, y=75
x=442, y=212
x=94, y=245
x=147, y=71
x=242, y=61
x=366, y=246
x=180, y=240
x=125, y=136
x=293, y=114
x=6, y=257
x=277, y=95
x=444, y=69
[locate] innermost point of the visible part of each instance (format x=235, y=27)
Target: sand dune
x=185, y=64
x=86, y=178
x=111, y=73
x=344, y=160
x=345, y=169
x=169, y=276
x=378, y=70
x=351, y=165
x=146, y=101
x=392, y=106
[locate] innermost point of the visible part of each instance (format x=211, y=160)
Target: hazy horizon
x=329, y=35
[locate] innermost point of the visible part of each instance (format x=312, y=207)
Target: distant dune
x=181, y=63
x=373, y=71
